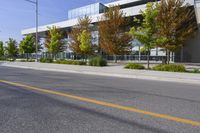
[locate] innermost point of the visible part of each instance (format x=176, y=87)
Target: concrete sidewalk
x=113, y=71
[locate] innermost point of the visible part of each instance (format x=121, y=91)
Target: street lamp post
x=36, y=36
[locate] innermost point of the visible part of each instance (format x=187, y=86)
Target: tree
x=113, y=38
x=27, y=45
x=54, y=41
x=177, y=24
x=1, y=49
x=146, y=33
x=85, y=42
x=83, y=24
x=11, y=48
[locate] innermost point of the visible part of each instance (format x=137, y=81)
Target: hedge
x=134, y=66
x=170, y=68
x=46, y=60
x=97, y=61
x=71, y=62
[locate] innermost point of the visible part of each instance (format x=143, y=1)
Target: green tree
x=55, y=41
x=83, y=24
x=177, y=24
x=11, y=48
x=146, y=33
x=27, y=45
x=85, y=42
x=1, y=49
x=113, y=37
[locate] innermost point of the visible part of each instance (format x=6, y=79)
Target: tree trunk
x=139, y=54
x=115, y=58
x=168, y=61
x=74, y=56
x=53, y=56
x=148, y=62
x=181, y=54
x=84, y=57
x=26, y=54
x=168, y=56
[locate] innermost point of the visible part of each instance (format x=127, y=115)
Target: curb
x=143, y=77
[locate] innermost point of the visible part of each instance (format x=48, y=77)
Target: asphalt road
x=24, y=110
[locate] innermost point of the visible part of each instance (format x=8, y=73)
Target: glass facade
x=86, y=10
x=197, y=3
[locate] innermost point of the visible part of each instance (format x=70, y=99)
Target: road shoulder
x=111, y=71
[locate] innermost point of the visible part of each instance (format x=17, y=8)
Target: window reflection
x=197, y=3
x=86, y=10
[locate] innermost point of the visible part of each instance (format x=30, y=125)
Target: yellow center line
x=126, y=108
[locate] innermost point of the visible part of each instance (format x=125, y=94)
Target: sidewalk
x=113, y=71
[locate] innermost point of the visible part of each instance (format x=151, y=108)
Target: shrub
x=134, y=66
x=170, y=68
x=70, y=62
x=46, y=60
x=59, y=61
x=97, y=61
x=22, y=60
x=79, y=63
x=195, y=71
x=29, y=60
x=10, y=59
x=2, y=58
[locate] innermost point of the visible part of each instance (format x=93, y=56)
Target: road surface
x=50, y=102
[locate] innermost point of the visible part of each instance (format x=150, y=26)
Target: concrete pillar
x=197, y=10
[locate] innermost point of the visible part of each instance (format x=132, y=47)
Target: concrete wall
x=190, y=52
x=195, y=48
x=197, y=11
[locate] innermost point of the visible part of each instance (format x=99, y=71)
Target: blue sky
x=16, y=15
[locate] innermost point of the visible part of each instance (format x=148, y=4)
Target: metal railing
x=71, y=56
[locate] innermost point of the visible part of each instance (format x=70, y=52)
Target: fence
x=71, y=56
x=135, y=58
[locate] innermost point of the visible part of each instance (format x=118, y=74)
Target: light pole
x=36, y=36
